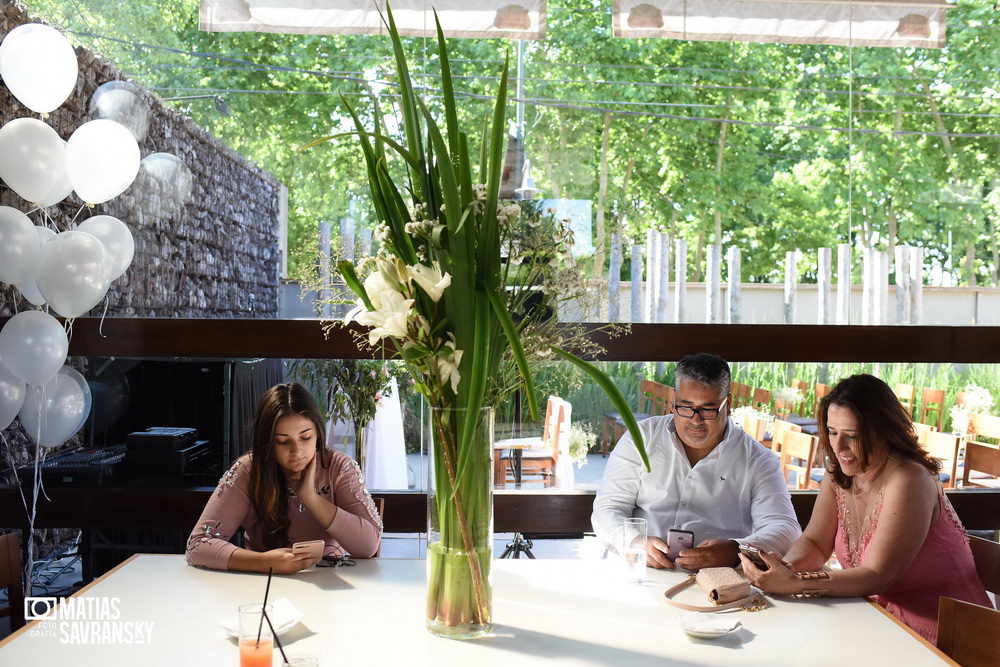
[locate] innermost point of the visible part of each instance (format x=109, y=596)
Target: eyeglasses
x=708, y=414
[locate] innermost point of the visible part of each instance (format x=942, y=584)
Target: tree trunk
x=719, y=153
x=602, y=192
x=970, y=263
x=699, y=257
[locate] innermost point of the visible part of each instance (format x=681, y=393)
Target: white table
x=547, y=612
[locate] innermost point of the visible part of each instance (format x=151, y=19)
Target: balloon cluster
x=69, y=271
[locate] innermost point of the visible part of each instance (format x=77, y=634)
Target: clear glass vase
x=460, y=523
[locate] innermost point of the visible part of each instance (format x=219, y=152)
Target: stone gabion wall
x=214, y=256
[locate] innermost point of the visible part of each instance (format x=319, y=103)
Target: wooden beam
x=242, y=339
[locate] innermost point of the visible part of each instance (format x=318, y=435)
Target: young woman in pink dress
x=883, y=511
x=289, y=488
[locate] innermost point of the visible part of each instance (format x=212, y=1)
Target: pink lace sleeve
x=357, y=525
x=208, y=545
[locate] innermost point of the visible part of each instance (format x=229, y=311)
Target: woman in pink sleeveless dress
x=884, y=512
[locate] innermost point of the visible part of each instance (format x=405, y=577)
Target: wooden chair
x=782, y=409
x=11, y=579
x=943, y=446
x=798, y=451
x=755, y=427
x=761, y=400
x=968, y=633
x=503, y=457
x=778, y=428
x=542, y=454
x=987, y=556
x=821, y=391
x=982, y=452
x=932, y=400
x=740, y=394
x=652, y=396
x=907, y=395
x=804, y=392
x=922, y=430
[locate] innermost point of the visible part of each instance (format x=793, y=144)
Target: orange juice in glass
x=253, y=654
x=256, y=640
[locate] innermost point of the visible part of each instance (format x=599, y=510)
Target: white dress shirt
x=737, y=492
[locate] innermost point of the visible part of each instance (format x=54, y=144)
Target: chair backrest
x=933, y=401
x=778, y=428
x=943, y=446
x=661, y=398
x=755, y=427
x=984, y=426
x=986, y=553
x=922, y=430
x=740, y=394
x=11, y=578
x=968, y=633
x=981, y=458
x=761, y=399
x=907, y=394
x=560, y=434
x=821, y=391
x=801, y=447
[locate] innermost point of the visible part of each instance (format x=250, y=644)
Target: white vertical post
x=791, y=282
x=824, y=259
x=680, y=281
x=324, y=267
x=663, y=281
x=844, y=283
x=713, y=289
x=902, y=284
x=283, y=231
x=636, y=272
x=883, y=287
x=916, y=284
x=614, y=280
x=734, y=297
x=347, y=238
x=867, y=283
x=366, y=242
x=652, y=274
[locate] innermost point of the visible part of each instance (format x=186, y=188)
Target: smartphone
x=313, y=547
x=753, y=553
x=677, y=541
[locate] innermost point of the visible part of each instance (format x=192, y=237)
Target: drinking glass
x=254, y=652
x=634, y=549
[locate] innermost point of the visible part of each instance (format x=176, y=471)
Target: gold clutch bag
x=725, y=587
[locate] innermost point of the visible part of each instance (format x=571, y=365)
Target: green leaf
x=346, y=268
x=621, y=405
x=517, y=351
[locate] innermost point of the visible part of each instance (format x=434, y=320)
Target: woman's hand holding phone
x=288, y=561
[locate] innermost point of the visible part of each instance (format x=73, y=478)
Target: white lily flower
x=447, y=364
x=391, y=309
x=430, y=279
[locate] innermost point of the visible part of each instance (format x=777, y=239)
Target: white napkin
x=284, y=616
x=715, y=624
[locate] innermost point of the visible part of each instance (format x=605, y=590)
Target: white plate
x=284, y=616
x=708, y=626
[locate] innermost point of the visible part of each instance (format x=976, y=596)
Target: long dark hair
x=268, y=487
x=881, y=419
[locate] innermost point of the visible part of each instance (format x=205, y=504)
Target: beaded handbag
x=726, y=588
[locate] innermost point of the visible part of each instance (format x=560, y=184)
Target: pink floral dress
x=942, y=567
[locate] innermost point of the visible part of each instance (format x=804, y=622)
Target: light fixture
x=527, y=189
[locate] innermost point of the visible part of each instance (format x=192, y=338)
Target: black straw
x=284, y=658
x=263, y=614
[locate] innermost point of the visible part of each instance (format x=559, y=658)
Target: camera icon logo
x=40, y=609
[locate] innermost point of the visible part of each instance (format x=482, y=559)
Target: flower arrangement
x=581, y=440
x=978, y=401
x=437, y=294
x=745, y=413
x=788, y=395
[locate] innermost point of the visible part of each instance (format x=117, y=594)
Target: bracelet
x=812, y=576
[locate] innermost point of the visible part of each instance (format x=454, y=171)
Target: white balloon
x=60, y=190
x=63, y=404
x=115, y=236
x=124, y=103
x=163, y=187
x=28, y=286
x=32, y=158
x=74, y=273
x=102, y=159
x=18, y=245
x=33, y=346
x=11, y=396
x=39, y=66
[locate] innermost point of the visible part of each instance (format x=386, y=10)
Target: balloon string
x=68, y=327
x=8, y=449
x=78, y=212
x=100, y=327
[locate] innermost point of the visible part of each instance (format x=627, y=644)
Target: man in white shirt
x=707, y=476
